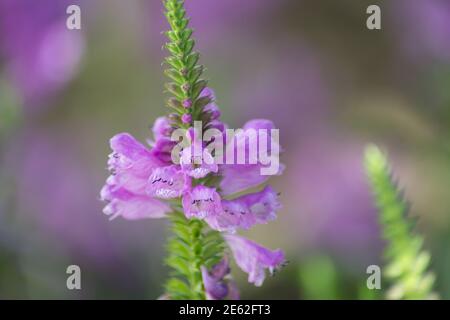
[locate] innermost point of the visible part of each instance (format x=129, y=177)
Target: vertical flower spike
x=149, y=183
x=187, y=103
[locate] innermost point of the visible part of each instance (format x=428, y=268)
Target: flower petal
x=131, y=206
x=166, y=183
x=229, y=219
x=211, y=107
x=208, y=92
x=201, y=202
x=253, y=258
x=239, y=177
x=216, y=289
x=126, y=145
x=131, y=163
x=259, y=124
x=246, y=211
x=162, y=150
x=220, y=270
x=262, y=205
x=197, y=166
x=161, y=128
x=218, y=282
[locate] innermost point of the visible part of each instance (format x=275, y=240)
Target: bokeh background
x=313, y=67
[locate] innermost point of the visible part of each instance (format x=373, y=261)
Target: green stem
x=185, y=258
x=407, y=261
x=183, y=70
x=191, y=246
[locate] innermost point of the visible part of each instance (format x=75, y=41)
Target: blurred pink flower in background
x=56, y=208
x=328, y=204
x=40, y=54
x=284, y=83
x=422, y=28
x=216, y=17
x=333, y=205
x=56, y=194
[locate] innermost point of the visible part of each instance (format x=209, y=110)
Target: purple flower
x=140, y=176
x=197, y=166
x=239, y=177
x=186, y=118
x=130, y=165
x=215, y=288
x=187, y=103
x=218, y=282
x=131, y=206
x=161, y=128
x=222, y=269
x=229, y=218
x=201, y=202
x=162, y=149
x=253, y=258
x=162, y=146
x=166, y=183
x=246, y=211
x=219, y=125
x=211, y=107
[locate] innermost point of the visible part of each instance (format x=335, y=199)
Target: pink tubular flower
x=131, y=206
x=130, y=164
x=162, y=149
x=239, y=177
x=166, y=183
x=186, y=118
x=197, y=166
x=201, y=202
x=212, y=107
x=161, y=128
x=253, y=258
x=215, y=288
x=163, y=145
x=246, y=211
x=218, y=282
x=187, y=103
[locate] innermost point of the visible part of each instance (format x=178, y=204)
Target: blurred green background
x=330, y=85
